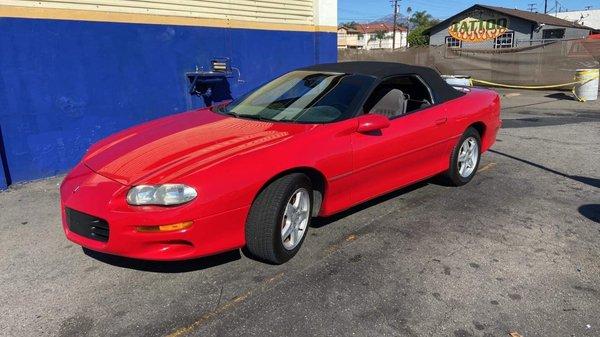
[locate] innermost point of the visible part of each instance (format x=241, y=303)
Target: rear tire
x=273, y=211
x=465, y=158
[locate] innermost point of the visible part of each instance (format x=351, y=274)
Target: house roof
x=534, y=17
x=590, y=17
x=349, y=29
x=372, y=27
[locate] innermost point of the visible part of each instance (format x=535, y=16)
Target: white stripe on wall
x=272, y=11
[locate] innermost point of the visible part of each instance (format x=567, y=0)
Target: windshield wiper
x=230, y=113
x=248, y=116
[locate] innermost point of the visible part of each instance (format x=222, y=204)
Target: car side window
x=398, y=96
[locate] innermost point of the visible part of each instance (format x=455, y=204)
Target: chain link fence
x=532, y=64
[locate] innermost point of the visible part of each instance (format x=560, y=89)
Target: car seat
x=391, y=104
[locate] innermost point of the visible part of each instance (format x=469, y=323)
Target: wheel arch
x=480, y=127
x=317, y=178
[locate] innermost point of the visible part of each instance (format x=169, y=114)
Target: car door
x=412, y=148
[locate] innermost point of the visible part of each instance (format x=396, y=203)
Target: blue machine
x=213, y=86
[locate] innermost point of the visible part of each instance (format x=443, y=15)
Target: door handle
x=441, y=121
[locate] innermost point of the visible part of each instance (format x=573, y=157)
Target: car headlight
x=167, y=194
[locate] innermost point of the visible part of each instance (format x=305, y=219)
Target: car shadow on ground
x=561, y=96
x=593, y=182
x=590, y=211
x=324, y=221
x=165, y=266
x=543, y=121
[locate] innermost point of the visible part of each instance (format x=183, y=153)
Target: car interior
x=398, y=96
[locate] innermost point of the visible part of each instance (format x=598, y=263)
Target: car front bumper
x=100, y=198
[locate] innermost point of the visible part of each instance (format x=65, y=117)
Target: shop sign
x=479, y=26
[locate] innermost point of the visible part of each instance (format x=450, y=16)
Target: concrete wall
x=64, y=84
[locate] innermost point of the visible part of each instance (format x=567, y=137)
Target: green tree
x=421, y=20
x=379, y=35
x=417, y=38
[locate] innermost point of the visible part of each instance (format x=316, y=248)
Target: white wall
x=325, y=13
x=591, y=18
x=385, y=43
x=268, y=11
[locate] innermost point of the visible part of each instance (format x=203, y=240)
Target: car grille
x=87, y=225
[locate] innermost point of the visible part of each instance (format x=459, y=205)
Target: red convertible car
x=253, y=172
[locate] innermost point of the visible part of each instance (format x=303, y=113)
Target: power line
x=531, y=7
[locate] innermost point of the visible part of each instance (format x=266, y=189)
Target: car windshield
x=303, y=97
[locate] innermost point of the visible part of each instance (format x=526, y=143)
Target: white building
x=375, y=35
x=590, y=17
x=348, y=38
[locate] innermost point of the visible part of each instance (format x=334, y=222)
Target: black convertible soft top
x=441, y=90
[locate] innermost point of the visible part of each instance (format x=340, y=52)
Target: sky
x=369, y=10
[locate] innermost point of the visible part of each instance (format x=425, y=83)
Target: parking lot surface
x=517, y=249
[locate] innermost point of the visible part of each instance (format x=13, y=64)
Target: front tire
x=465, y=158
x=279, y=219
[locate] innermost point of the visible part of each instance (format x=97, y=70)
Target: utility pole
x=545, y=6
x=394, y=27
x=408, y=15
x=531, y=7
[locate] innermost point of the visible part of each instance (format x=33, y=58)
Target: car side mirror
x=372, y=122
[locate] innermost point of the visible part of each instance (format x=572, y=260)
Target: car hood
x=171, y=147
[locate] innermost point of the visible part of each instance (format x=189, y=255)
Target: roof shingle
x=538, y=18
x=534, y=17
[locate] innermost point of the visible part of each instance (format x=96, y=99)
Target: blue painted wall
x=3, y=180
x=3, y=184
x=66, y=84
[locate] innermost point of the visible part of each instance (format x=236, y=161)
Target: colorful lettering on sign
x=481, y=28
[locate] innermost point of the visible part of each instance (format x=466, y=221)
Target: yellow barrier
x=582, y=77
x=525, y=86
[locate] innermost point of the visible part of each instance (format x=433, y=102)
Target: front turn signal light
x=165, y=228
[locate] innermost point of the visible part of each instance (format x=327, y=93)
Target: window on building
x=506, y=40
x=553, y=33
x=453, y=42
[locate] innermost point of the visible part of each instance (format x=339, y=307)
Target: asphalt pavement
x=515, y=250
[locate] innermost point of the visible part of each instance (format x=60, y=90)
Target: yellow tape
x=582, y=81
x=587, y=72
x=525, y=86
x=585, y=76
